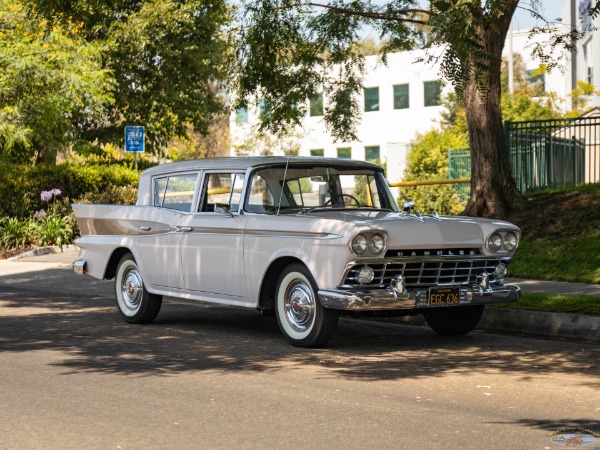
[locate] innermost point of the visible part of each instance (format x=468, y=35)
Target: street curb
x=534, y=323
x=35, y=252
x=538, y=323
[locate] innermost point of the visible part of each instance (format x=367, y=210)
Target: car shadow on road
x=82, y=323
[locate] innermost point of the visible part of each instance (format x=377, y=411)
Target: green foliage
x=582, y=94
x=16, y=234
x=428, y=160
x=25, y=183
x=54, y=230
x=522, y=106
x=561, y=239
x=265, y=144
x=169, y=59
x=197, y=146
x=51, y=82
x=111, y=195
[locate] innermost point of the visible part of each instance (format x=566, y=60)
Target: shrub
x=25, y=182
x=16, y=234
x=54, y=230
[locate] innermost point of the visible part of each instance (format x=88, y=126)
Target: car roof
x=242, y=163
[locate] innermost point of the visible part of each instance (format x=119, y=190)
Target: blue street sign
x=134, y=139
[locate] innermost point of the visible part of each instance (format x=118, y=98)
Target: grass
x=555, y=303
x=561, y=236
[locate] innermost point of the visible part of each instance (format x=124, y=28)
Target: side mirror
x=408, y=206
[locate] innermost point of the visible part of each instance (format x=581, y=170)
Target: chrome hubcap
x=131, y=289
x=299, y=305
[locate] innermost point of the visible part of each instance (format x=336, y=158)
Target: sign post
x=134, y=141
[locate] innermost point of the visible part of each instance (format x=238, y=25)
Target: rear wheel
x=136, y=304
x=302, y=319
x=454, y=320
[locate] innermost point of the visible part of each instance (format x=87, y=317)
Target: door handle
x=185, y=229
x=145, y=228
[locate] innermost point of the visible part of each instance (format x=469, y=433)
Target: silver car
x=305, y=238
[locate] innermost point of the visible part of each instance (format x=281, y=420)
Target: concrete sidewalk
x=570, y=326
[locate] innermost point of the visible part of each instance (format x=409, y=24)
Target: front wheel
x=303, y=321
x=136, y=304
x=455, y=320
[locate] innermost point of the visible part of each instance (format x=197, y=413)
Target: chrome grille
x=426, y=272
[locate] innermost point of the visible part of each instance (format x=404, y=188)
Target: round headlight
x=366, y=275
x=359, y=244
x=376, y=244
x=495, y=242
x=510, y=241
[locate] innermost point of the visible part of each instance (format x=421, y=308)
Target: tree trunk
x=45, y=156
x=494, y=192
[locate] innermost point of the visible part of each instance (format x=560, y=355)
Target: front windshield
x=304, y=189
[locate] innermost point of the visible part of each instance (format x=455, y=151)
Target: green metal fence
x=543, y=153
x=459, y=166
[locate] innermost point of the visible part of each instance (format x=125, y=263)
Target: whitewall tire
x=302, y=319
x=135, y=303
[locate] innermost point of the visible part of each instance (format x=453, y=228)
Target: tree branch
x=374, y=15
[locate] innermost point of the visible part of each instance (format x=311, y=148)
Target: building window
x=317, y=152
x=536, y=78
x=590, y=75
x=344, y=152
x=401, y=99
x=316, y=105
x=241, y=115
x=264, y=108
x=372, y=99
x=432, y=92
x=372, y=153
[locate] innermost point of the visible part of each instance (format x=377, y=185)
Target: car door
x=159, y=241
x=212, y=245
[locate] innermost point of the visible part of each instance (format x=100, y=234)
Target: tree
x=52, y=85
x=196, y=146
x=166, y=56
x=290, y=50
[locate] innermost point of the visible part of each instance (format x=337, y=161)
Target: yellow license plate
x=444, y=296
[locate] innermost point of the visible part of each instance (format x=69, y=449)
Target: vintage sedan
x=305, y=238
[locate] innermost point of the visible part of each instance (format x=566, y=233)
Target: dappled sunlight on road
x=196, y=337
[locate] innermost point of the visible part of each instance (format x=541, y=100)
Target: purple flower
x=47, y=195
x=39, y=214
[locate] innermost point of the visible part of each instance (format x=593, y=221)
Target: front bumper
x=390, y=299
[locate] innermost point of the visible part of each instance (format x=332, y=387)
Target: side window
x=222, y=190
x=178, y=192
x=160, y=186
x=260, y=198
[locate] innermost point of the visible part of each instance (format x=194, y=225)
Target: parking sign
x=134, y=139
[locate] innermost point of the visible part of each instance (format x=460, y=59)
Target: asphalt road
x=73, y=375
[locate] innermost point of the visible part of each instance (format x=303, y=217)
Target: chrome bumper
x=386, y=299
x=79, y=267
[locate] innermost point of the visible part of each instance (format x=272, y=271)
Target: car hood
x=419, y=231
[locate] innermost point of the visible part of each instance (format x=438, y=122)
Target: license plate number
x=444, y=296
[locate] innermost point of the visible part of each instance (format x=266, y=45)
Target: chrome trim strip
x=292, y=234
x=258, y=233
x=387, y=299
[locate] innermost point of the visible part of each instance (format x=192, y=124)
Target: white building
x=401, y=99
x=585, y=61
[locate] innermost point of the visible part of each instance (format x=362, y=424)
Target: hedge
x=21, y=185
